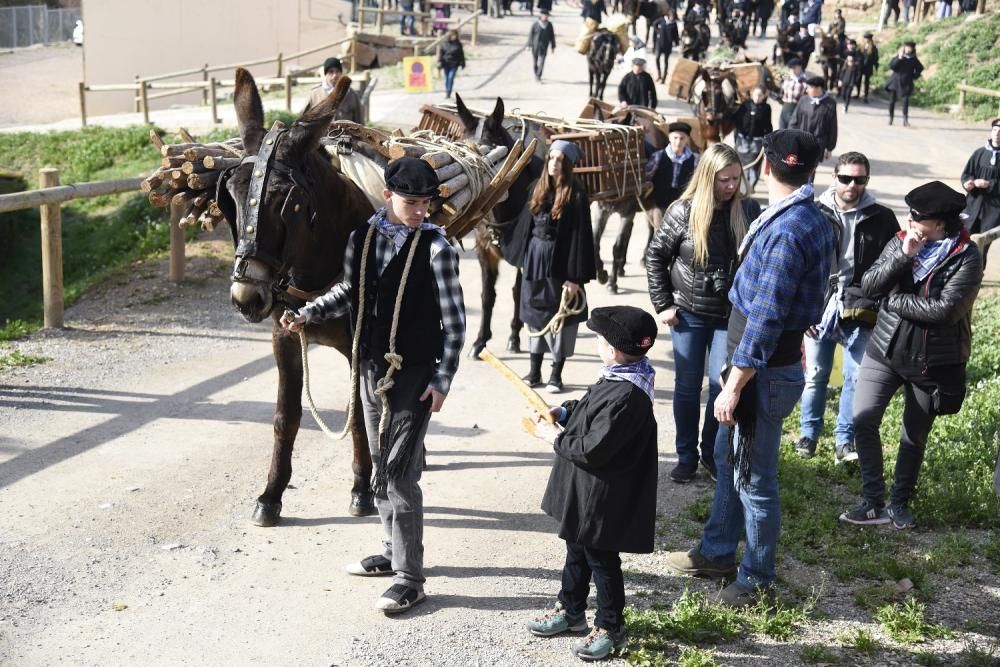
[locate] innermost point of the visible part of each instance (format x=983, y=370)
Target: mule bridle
x=262, y=165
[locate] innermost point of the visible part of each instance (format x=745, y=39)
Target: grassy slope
x=952, y=50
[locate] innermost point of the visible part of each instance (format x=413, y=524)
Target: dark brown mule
x=713, y=105
x=291, y=214
x=495, y=241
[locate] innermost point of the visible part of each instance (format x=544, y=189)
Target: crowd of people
x=760, y=299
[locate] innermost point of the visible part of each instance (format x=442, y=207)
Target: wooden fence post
x=204, y=91
x=176, y=271
x=475, y=27
x=288, y=92
x=961, y=98
x=83, y=104
x=144, y=100
x=213, y=100
x=52, y=266
x=380, y=16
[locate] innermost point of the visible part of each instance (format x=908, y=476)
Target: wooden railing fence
x=964, y=88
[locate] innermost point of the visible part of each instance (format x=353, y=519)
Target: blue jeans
x=819, y=363
x=694, y=339
x=753, y=510
x=449, y=79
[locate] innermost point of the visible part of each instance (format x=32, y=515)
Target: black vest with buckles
x=419, y=335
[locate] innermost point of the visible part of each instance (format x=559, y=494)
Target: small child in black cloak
x=602, y=489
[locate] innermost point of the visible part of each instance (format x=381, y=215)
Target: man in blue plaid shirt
x=405, y=253
x=777, y=293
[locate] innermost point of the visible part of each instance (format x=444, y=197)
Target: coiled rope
x=568, y=307
x=394, y=359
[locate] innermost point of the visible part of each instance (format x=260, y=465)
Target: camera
x=719, y=279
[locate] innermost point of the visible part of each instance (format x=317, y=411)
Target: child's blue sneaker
x=598, y=644
x=556, y=621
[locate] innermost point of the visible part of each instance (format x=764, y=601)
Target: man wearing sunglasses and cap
x=849, y=316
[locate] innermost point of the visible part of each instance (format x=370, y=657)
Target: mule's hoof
x=514, y=344
x=361, y=505
x=477, y=348
x=266, y=515
x=602, y=276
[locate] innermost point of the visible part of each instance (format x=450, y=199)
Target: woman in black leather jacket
x=690, y=264
x=926, y=280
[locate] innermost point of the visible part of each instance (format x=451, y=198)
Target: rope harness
x=568, y=307
x=394, y=359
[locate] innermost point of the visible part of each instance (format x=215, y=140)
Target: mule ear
x=306, y=132
x=498, y=112
x=249, y=111
x=468, y=119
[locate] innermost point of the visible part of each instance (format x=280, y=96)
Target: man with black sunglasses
x=848, y=317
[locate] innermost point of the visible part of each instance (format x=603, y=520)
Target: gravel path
x=130, y=460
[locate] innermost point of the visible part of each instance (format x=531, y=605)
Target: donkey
x=291, y=214
x=647, y=9
x=601, y=60
x=830, y=59
x=498, y=240
x=715, y=96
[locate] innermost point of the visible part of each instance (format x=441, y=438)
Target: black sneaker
x=708, y=463
x=845, y=453
x=399, y=598
x=806, y=447
x=373, y=566
x=901, y=516
x=866, y=514
x=684, y=472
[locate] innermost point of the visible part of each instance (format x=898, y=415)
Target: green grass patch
x=15, y=358
x=815, y=654
x=952, y=50
x=863, y=642
x=907, y=624
x=692, y=656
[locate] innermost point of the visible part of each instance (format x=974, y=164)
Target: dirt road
x=129, y=463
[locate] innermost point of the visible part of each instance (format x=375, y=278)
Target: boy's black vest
x=419, y=336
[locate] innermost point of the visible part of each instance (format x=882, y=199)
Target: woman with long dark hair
x=926, y=279
x=690, y=264
x=558, y=262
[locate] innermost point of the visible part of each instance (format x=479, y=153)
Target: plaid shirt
x=782, y=280
x=444, y=267
x=792, y=88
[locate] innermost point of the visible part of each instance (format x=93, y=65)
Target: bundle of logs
x=474, y=178
x=188, y=175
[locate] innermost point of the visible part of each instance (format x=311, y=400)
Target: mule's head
x=269, y=198
x=488, y=131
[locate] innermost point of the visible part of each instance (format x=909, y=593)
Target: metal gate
x=36, y=24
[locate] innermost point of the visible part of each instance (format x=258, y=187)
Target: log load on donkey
x=291, y=213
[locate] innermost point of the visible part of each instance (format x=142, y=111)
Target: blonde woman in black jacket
x=689, y=265
x=926, y=279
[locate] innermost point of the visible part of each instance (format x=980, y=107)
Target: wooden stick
x=534, y=400
x=185, y=135
x=173, y=150
x=449, y=171
x=496, y=154
x=458, y=202
x=398, y=150
x=453, y=185
x=198, y=152
x=437, y=159
x=152, y=182
x=155, y=138
x=190, y=167
x=203, y=180
x=172, y=162
x=223, y=163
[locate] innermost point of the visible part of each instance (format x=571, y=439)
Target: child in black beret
x=602, y=489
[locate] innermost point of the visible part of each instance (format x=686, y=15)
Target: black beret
x=868, y=35
x=332, y=63
x=794, y=62
x=910, y=43
x=996, y=121
x=411, y=176
x=935, y=200
x=626, y=328
x=798, y=151
x=679, y=127
x=816, y=81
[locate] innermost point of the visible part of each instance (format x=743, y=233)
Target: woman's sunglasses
x=846, y=180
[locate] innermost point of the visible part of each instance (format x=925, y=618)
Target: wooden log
x=172, y=162
x=449, y=171
x=223, y=163
x=452, y=186
x=161, y=198
x=437, y=159
x=52, y=255
x=214, y=210
x=458, y=202
x=397, y=151
x=185, y=135
x=199, y=152
x=191, y=167
x=175, y=150
x=496, y=154
x=155, y=138
x=152, y=182
x=203, y=180
x=202, y=200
